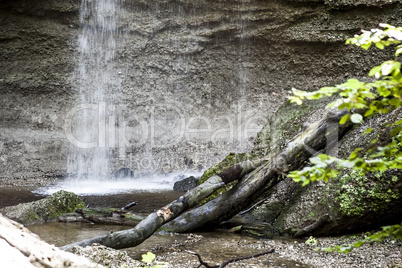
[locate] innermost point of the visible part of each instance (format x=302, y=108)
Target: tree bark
x=22, y=248
x=102, y=216
x=136, y=235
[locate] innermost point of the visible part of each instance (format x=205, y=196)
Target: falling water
x=95, y=78
x=90, y=126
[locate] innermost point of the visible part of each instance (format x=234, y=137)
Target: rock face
x=198, y=78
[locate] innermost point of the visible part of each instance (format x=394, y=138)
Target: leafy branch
x=393, y=231
x=362, y=100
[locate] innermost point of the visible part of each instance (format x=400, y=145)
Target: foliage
x=362, y=100
x=311, y=241
x=394, y=231
x=149, y=259
x=357, y=194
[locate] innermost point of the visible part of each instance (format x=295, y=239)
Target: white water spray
x=96, y=80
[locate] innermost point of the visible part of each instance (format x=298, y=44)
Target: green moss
x=133, y=217
x=357, y=194
x=284, y=125
x=51, y=207
x=311, y=215
x=32, y=216
x=230, y=160
x=256, y=233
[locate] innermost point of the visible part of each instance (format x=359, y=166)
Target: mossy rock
x=354, y=202
x=287, y=121
x=44, y=210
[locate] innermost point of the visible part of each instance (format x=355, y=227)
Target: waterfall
x=92, y=125
x=96, y=81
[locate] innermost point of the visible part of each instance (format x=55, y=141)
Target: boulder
x=185, y=184
x=346, y=204
x=44, y=210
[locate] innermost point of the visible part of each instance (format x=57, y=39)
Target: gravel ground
x=217, y=248
x=287, y=253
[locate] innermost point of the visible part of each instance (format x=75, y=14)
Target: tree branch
x=223, y=264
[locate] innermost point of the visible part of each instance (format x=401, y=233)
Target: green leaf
x=379, y=45
x=344, y=119
x=358, y=244
x=395, y=102
x=354, y=154
x=376, y=71
x=148, y=258
x=356, y=118
x=354, y=83
x=398, y=51
x=397, y=122
x=369, y=112
x=366, y=46
x=396, y=131
x=359, y=105
x=368, y=131
x=296, y=100
x=345, y=105
x=396, y=65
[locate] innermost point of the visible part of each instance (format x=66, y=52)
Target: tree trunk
x=136, y=235
x=102, y=216
x=241, y=196
x=22, y=248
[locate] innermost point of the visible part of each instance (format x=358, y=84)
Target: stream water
x=214, y=247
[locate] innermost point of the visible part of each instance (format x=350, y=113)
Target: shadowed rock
x=185, y=184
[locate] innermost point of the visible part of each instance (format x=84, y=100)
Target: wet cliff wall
x=198, y=78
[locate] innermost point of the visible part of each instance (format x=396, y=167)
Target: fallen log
x=136, y=235
x=112, y=216
x=241, y=196
x=22, y=248
x=129, y=205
